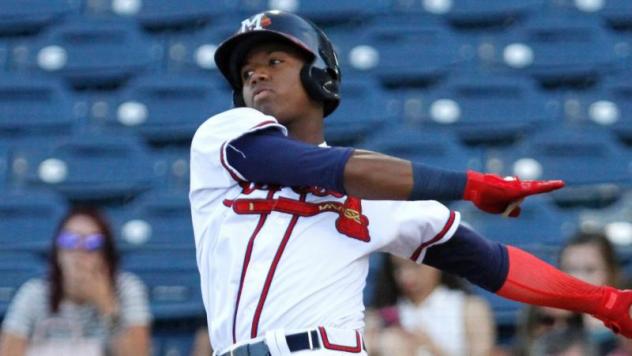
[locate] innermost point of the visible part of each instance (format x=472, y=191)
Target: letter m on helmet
x=257, y=22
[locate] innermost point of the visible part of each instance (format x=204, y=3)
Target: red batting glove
x=493, y=194
x=615, y=311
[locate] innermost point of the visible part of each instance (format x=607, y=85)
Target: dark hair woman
x=86, y=305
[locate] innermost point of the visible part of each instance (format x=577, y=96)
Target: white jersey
x=286, y=257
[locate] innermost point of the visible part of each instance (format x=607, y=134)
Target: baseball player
x=284, y=224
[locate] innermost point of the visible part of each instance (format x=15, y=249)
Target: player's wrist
x=431, y=183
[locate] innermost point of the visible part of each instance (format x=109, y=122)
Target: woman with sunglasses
x=86, y=304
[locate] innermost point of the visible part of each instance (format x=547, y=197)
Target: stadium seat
x=435, y=147
x=88, y=53
x=27, y=16
x=193, y=51
x=160, y=14
x=411, y=52
x=5, y=162
x=588, y=159
x=541, y=224
x=159, y=219
x=88, y=167
x=28, y=219
x=471, y=12
x=485, y=109
x=166, y=109
x=321, y=12
x=31, y=106
x=362, y=110
x=173, y=293
x=495, y=12
x=613, y=108
x=558, y=48
x=171, y=168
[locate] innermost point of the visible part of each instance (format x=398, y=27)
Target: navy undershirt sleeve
x=473, y=257
x=435, y=183
x=269, y=157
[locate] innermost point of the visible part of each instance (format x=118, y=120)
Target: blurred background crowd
x=99, y=100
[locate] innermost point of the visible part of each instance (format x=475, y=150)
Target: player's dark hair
x=605, y=248
x=108, y=250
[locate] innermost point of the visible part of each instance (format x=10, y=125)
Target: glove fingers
x=538, y=187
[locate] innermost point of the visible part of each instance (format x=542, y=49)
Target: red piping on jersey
x=273, y=266
x=222, y=159
x=354, y=349
x=247, y=256
x=437, y=237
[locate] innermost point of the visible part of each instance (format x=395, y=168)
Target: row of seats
x=31, y=15
x=95, y=167
x=168, y=108
x=551, y=48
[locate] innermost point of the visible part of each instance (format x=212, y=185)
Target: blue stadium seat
x=12, y=279
x=21, y=259
x=166, y=109
x=5, y=162
x=159, y=219
x=471, y=12
x=170, y=341
x=88, y=52
x=484, y=108
x=28, y=219
x=89, y=167
x=171, y=168
x=477, y=13
x=362, y=110
x=160, y=14
x=411, y=52
x=174, y=293
x=612, y=110
x=26, y=16
x=617, y=12
x=31, y=106
x=541, y=224
x=435, y=147
x=588, y=159
x=192, y=52
x=322, y=12
x=4, y=55
x=558, y=48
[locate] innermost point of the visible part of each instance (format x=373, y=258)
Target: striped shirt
x=29, y=314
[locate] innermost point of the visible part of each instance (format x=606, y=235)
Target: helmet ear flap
x=319, y=84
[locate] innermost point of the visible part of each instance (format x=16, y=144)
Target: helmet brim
x=230, y=54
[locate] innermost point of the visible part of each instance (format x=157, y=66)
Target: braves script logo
x=257, y=22
x=350, y=221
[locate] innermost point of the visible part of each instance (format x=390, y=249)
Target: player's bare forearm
x=371, y=175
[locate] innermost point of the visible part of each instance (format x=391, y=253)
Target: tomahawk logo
x=257, y=22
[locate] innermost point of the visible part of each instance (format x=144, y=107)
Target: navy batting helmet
x=321, y=74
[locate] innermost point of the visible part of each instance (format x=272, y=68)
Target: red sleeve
x=531, y=280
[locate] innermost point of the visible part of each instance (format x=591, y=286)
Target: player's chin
x=267, y=107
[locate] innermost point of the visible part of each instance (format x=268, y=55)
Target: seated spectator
x=86, y=306
x=429, y=314
x=591, y=258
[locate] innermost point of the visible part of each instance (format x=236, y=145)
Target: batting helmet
x=320, y=75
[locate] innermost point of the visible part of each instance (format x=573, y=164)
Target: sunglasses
x=72, y=241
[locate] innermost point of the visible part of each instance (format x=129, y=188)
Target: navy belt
x=295, y=342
